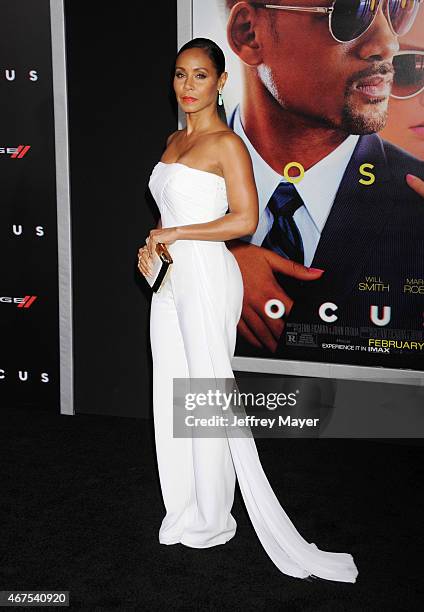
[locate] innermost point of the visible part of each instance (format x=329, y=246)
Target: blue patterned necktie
x=284, y=237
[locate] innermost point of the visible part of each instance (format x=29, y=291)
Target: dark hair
x=216, y=56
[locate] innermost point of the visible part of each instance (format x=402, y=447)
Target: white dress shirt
x=317, y=189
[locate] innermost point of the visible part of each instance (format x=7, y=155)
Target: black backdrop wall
x=121, y=109
x=29, y=343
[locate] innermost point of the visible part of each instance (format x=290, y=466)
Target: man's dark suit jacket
x=372, y=231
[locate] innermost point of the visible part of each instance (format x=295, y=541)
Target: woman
x=405, y=123
x=205, y=170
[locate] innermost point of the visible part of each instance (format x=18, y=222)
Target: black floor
x=81, y=507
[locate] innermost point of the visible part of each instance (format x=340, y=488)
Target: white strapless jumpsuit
x=193, y=326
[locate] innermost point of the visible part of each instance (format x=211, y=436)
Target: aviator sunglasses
x=349, y=19
x=408, y=78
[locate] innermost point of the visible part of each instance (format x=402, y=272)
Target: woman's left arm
x=242, y=218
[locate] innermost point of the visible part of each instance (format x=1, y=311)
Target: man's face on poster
x=344, y=86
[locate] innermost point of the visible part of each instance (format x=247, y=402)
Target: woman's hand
x=144, y=261
x=416, y=184
x=167, y=235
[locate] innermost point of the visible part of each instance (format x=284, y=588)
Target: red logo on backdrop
x=21, y=302
x=21, y=151
x=27, y=301
x=16, y=152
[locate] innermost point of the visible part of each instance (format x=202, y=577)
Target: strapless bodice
x=187, y=195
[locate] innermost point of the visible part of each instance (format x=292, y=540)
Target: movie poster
x=331, y=109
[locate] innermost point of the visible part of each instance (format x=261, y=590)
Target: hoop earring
x=220, y=101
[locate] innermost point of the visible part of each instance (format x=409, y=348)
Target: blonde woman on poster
x=405, y=124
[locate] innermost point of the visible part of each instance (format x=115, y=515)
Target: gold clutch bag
x=162, y=263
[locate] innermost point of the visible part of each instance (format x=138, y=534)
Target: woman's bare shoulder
x=231, y=141
x=172, y=136
x=231, y=146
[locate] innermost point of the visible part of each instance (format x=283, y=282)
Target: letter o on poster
x=277, y=314
x=293, y=179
